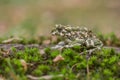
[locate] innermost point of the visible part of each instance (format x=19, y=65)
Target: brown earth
x=7, y=48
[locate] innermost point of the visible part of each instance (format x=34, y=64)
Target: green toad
x=76, y=36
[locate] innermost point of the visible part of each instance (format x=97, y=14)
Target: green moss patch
x=104, y=64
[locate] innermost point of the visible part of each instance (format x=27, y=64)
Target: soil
x=7, y=47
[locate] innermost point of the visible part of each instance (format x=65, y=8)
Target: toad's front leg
x=60, y=45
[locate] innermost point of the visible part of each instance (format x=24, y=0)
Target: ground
x=24, y=59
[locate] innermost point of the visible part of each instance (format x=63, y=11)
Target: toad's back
x=72, y=33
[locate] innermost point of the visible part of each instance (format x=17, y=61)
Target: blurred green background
x=37, y=17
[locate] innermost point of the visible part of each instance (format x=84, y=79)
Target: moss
x=109, y=39
x=101, y=64
x=29, y=55
x=41, y=70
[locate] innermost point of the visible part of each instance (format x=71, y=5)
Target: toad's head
x=59, y=30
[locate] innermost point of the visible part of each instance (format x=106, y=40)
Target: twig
x=88, y=72
x=117, y=49
x=73, y=66
x=46, y=77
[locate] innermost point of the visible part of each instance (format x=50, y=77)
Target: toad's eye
x=59, y=28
